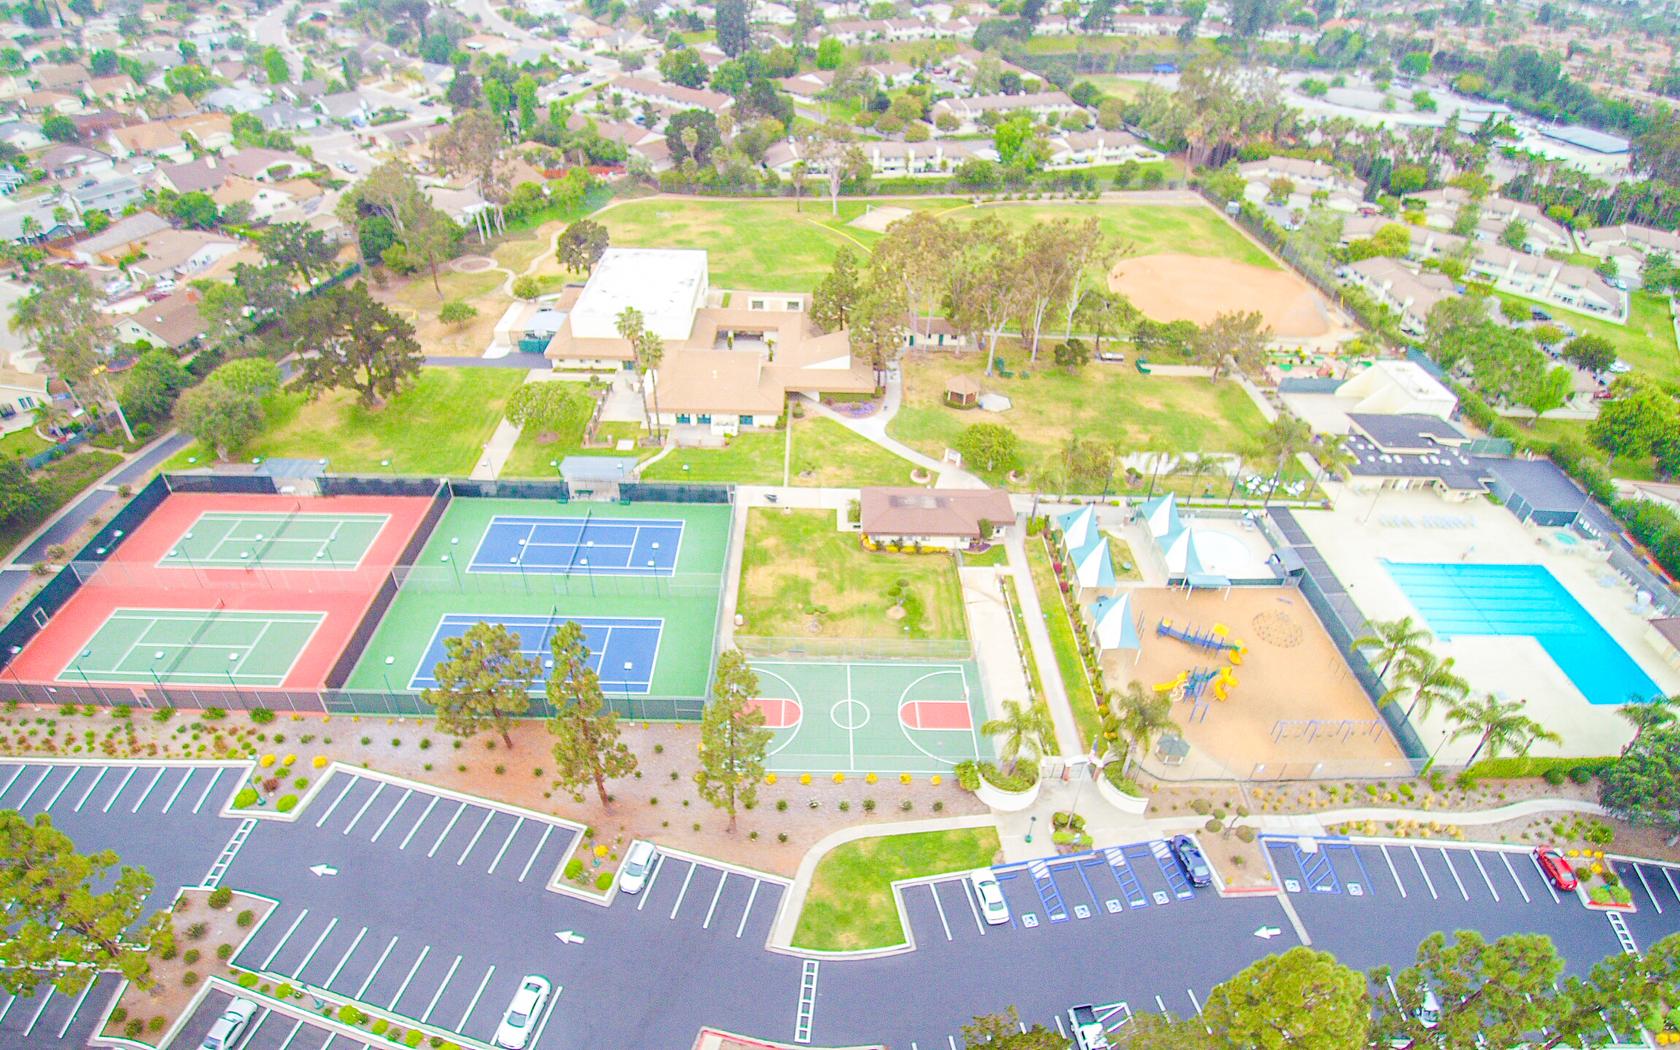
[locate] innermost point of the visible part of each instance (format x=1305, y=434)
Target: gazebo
x=962, y=391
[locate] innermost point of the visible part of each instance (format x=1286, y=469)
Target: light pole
x=1030, y=822
x=227, y=668
x=157, y=655
x=452, y=569
x=385, y=672
x=12, y=664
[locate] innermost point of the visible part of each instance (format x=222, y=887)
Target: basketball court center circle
x=846, y=717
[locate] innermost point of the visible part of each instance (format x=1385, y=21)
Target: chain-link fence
x=765, y=647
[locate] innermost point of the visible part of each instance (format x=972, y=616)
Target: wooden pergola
x=962, y=391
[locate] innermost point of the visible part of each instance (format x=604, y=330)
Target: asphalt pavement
x=431, y=906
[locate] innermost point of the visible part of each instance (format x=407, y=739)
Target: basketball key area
x=858, y=717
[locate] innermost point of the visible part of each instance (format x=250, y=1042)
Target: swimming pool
x=1501, y=600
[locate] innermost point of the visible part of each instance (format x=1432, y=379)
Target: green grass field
x=752, y=458
x=798, y=569
x=1152, y=229
x=1064, y=643
x=24, y=442
x=437, y=426
x=1142, y=413
x=1646, y=342
x=850, y=903
x=827, y=455
x=687, y=603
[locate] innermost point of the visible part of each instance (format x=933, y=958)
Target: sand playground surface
x=1291, y=672
x=1196, y=287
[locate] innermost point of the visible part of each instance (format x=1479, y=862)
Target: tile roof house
x=968, y=111
x=173, y=322
x=121, y=238
x=1408, y=293
x=181, y=253
x=204, y=175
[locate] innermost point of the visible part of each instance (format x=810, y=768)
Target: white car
x=638, y=865
x=227, y=1029
x=986, y=888
x=1620, y=367
x=523, y=1013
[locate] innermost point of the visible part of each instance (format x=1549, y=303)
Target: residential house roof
x=913, y=511
x=122, y=233
x=173, y=321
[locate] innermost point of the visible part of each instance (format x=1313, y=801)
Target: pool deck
x=1509, y=666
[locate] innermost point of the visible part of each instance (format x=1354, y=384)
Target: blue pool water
x=1501, y=600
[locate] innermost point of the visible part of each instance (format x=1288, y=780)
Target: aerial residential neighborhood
x=762, y=524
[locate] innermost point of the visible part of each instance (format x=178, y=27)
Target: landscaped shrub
x=190, y=956
x=1024, y=777
x=245, y=918
x=189, y=978
x=349, y=1014
x=224, y=952
x=246, y=798
x=574, y=869
x=261, y=715
x=197, y=930
x=220, y=897
x=286, y=804
x=379, y=1025
x=603, y=880
x=412, y=1037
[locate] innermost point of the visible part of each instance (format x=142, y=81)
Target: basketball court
x=215, y=646
x=291, y=540
x=622, y=650
x=882, y=717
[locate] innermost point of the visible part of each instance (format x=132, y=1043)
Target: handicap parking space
x=53, y=1018
x=1103, y=882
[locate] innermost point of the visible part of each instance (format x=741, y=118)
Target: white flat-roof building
x=668, y=285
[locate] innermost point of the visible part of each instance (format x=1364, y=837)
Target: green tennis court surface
x=194, y=647
x=232, y=539
x=870, y=717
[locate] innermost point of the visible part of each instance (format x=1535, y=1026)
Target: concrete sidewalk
x=1038, y=637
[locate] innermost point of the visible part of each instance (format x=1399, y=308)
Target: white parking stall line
x=1401, y=886
x=331, y=1036
x=427, y=1016
x=377, y=966
x=1506, y=857
x=284, y=938
x=473, y=1005
x=713, y=906
x=1159, y=1005
x=425, y=950
x=336, y=970
x=378, y=786
x=940, y=908
x=447, y=828
x=251, y=1036
x=684, y=891
x=536, y=1033
x=751, y=896
x=489, y=815
x=120, y=787
x=51, y=802
x=17, y=771
x=349, y=782
x=1639, y=870
x=27, y=795
x=76, y=1008
x=1532, y=859
x=968, y=895
x=548, y=829
x=1448, y=860
x=11, y=1001
x=1477, y=857
x=1668, y=876
x=424, y=814
x=144, y=795
x=517, y=824
x=33, y=1021
x=86, y=794
x=173, y=795
x=1427, y=881
x=1197, y=1003
x=309, y=958
x=217, y=775
x=388, y=817
x=647, y=891
x=296, y=1028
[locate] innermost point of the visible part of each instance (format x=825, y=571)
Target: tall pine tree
x=733, y=740
x=587, y=748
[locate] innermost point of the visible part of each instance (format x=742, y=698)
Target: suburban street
x=437, y=906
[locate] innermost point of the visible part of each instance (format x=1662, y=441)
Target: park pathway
x=874, y=428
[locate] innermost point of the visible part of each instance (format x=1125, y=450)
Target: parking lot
x=270, y=1029
x=50, y=1018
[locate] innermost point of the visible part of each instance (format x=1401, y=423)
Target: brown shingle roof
x=932, y=512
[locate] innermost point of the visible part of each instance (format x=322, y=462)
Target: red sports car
x=1556, y=868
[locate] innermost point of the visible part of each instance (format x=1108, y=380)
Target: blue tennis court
x=622, y=650
x=579, y=546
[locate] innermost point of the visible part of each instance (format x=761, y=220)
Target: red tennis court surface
x=778, y=714
x=936, y=714
x=132, y=578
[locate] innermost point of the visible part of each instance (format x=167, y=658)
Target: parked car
x=1617, y=283
x=986, y=888
x=638, y=865
x=1555, y=866
x=1537, y=314
x=1088, y=1032
x=1619, y=367
x=1190, y=859
x=523, y=1013
x=227, y=1029
x=1111, y=356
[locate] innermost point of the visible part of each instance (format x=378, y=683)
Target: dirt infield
x=1195, y=288
x=878, y=217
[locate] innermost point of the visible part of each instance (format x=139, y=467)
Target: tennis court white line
x=256, y=643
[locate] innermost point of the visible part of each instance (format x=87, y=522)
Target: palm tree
x=1334, y=457
x=1197, y=466
x=1392, y=640
x=1283, y=440
x=633, y=331
x=1649, y=713
x=1142, y=716
x=1024, y=728
x=1501, y=726
x=1050, y=476
x=1429, y=680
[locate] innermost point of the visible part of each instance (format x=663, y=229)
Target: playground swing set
x=1194, y=684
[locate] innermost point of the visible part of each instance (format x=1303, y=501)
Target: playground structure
x=1193, y=685
x=1216, y=640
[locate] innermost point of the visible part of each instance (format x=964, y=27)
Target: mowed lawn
x=801, y=577
x=757, y=245
x=1151, y=229
x=850, y=903
x=437, y=426
x=1108, y=402
x=1646, y=342
x=827, y=455
x=752, y=458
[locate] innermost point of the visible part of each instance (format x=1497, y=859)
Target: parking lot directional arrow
x=323, y=869
x=1266, y=933
x=568, y=937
